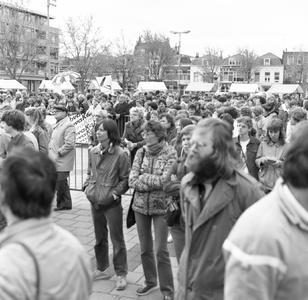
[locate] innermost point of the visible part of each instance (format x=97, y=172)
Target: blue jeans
x=64, y=198
x=164, y=270
x=113, y=217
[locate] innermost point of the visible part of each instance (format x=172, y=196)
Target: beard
x=204, y=168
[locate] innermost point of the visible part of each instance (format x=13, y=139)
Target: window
x=267, y=77
x=41, y=34
x=299, y=60
x=205, y=62
x=196, y=77
x=40, y=50
x=290, y=60
x=41, y=65
x=2, y=28
x=54, y=53
x=257, y=76
x=54, y=38
x=277, y=74
x=28, y=17
x=267, y=61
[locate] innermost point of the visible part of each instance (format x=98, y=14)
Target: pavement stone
x=79, y=222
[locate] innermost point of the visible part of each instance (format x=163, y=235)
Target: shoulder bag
x=130, y=219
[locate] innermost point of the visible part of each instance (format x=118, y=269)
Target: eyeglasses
x=145, y=134
x=197, y=145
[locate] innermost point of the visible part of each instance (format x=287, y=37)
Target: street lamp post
x=179, y=52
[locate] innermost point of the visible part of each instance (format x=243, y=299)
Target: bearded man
x=213, y=196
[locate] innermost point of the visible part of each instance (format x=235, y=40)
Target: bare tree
x=211, y=62
x=20, y=36
x=247, y=59
x=81, y=41
x=155, y=54
x=123, y=62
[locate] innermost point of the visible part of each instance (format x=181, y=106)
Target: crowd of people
x=210, y=157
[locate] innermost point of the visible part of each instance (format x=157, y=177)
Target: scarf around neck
x=156, y=148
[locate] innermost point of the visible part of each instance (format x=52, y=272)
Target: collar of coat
x=98, y=150
x=221, y=195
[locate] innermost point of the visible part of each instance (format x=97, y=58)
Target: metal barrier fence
x=79, y=174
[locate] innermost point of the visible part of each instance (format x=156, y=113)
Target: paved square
x=79, y=222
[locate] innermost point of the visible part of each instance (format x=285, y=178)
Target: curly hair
x=156, y=128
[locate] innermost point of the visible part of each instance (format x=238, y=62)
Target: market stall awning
x=244, y=88
x=46, y=85
x=146, y=86
x=200, y=87
x=11, y=84
x=104, y=84
x=286, y=89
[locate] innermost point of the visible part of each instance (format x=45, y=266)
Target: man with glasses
x=98, y=115
x=213, y=196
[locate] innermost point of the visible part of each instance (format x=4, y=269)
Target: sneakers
x=146, y=289
x=98, y=275
x=121, y=283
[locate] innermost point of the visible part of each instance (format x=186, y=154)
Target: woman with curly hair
x=270, y=155
x=150, y=168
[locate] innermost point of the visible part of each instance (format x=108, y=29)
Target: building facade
x=296, y=68
x=27, y=44
x=268, y=70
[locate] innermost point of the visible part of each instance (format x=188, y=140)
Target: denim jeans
x=178, y=235
x=63, y=191
x=113, y=217
x=164, y=270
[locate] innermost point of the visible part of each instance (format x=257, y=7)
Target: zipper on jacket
x=150, y=191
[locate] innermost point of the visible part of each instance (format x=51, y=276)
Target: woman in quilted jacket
x=150, y=167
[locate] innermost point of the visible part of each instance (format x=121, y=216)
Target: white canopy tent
x=200, y=87
x=67, y=86
x=147, y=86
x=46, y=85
x=244, y=88
x=11, y=84
x=94, y=85
x=286, y=89
x=56, y=87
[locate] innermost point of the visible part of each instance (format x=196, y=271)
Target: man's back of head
x=28, y=183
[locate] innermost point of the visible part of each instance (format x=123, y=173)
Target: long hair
x=276, y=124
x=36, y=118
x=112, y=130
x=225, y=157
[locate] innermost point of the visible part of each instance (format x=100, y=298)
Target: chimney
x=197, y=55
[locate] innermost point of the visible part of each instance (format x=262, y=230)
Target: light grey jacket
x=62, y=145
x=266, y=252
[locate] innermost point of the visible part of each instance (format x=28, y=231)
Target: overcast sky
x=261, y=25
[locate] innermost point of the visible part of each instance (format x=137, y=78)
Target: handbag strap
x=142, y=156
x=37, y=270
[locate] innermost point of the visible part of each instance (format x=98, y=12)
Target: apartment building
x=27, y=43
